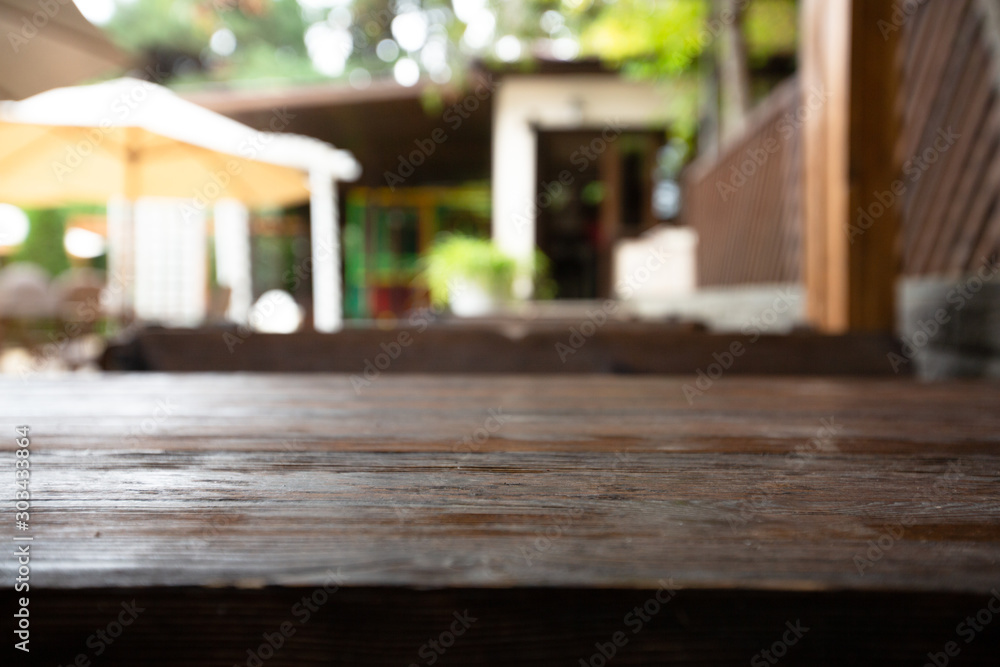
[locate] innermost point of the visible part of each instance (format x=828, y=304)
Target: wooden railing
x=744, y=203
x=949, y=150
x=951, y=134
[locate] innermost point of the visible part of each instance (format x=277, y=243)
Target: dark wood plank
x=531, y=627
x=570, y=347
x=264, y=480
x=869, y=509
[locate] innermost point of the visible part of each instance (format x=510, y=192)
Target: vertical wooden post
x=851, y=212
x=611, y=172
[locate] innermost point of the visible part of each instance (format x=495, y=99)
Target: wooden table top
x=573, y=481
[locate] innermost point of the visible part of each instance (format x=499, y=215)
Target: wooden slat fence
x=950, y=217
x=741, y=203
x=949, y=150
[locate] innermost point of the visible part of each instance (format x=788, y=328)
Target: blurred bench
x=505, y=347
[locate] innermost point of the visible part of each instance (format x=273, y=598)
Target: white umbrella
x=129, y=138
x=133, y=138
x=48, y=43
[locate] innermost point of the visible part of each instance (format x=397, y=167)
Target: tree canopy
x=255, y=42
x=362, y=40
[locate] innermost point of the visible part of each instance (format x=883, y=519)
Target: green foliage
x=269, y=37
x=455, y=259
x=771, y=28
x=273, y=257
x=44, y=245
x=656, y=38
x=545, y=286
x=667, y=39
x=650, y=38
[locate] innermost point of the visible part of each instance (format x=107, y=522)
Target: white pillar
x=327, y=295
x=232, y=257
x=121, y=257
x=515, y=208
x=171, y=262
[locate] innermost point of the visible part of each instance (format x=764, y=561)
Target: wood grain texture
x=850, y=158
x=217, y=502
x=597, y=482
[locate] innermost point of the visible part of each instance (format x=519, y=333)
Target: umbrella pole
x=232, y=257
x=121, y=256
x=121, y=234
x=327, y=299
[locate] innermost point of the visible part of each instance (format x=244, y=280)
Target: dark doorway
x=594, y=188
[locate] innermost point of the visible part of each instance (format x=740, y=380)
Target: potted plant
x=474, y=277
